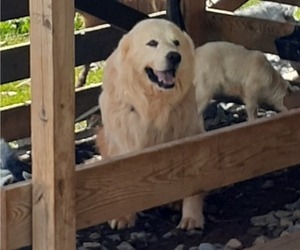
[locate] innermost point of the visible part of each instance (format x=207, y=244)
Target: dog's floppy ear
x=190, y=41
x=123, y=47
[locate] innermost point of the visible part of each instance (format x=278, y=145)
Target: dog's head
x=159, y=55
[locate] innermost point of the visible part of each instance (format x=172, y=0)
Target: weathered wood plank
x=18, y=219
x=195, y=20
x=3, y=221
x=288, y=242
x=103, y=39
x=113, y=12
x=171, y=171
x=251, y=32
x=15, y=121
x=52, y=124
x=20, y=8
x=229, y=5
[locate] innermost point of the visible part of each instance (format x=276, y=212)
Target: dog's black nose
x=173, y=58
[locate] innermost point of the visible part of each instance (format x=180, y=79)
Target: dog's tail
x=12, y=169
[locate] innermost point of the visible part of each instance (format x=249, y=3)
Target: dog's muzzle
x=165, y=79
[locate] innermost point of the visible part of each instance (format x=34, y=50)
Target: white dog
x=230, y=69
x=148, y=98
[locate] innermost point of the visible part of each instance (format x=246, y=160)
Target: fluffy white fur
x=137, y=112
x=230, y=69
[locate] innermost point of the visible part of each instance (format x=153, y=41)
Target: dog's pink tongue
x=165, y=77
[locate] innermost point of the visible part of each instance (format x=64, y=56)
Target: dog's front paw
x=192, y=212
x=123, y=222
x=190, y=223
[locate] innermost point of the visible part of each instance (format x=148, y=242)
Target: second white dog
x=232, y=70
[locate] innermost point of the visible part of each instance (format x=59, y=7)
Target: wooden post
x=52, y=119
x=195, y=20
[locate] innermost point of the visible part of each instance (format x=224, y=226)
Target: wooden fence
x=46, y=211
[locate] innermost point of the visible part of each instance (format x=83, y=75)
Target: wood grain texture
x=52, y=124
x=171, y=171
x=195, y=20
x=229, y=5
x=103, y=39
x=288, y=242
x=15, y=121
x=16, y=215
x=19, y=8
x=3, y=221
x=251, y=32
x=179, y=169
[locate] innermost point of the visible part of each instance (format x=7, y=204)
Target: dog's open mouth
x=164, y=79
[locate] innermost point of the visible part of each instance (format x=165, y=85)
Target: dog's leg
x=123, y=222
x=251, y=106
x=192, y=212
x=202, y=102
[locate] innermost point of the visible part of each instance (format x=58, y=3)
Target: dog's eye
x=152, y=43
x=176, y=42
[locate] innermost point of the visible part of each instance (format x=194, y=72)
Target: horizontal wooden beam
x=11, y=9
x=15, y=120
x=251, y=32
x=92, y=44
x=167, y=172
x=229, y=5
x=288, y=242
x=113, y=12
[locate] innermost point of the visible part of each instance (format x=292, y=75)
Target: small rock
x=285, y=222
x=293, y=206
x=179, y=247
x=94, y=236
x=265, y=220
x=284, y=233
x=282, y=213
x=194, y=232
x=125, y=246
x=296, y=214
x=259, y=221
x=261, y=240
x=267, y=184
x=114, y=237
x=206, y=246
x=233, y=244
x=169, y=234
x=277, y=231
x=294, y=228
x=138, y=237
x=91, y=244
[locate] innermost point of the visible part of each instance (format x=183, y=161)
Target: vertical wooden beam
x=3, y=222
x=195, y=20
x=52, y=119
